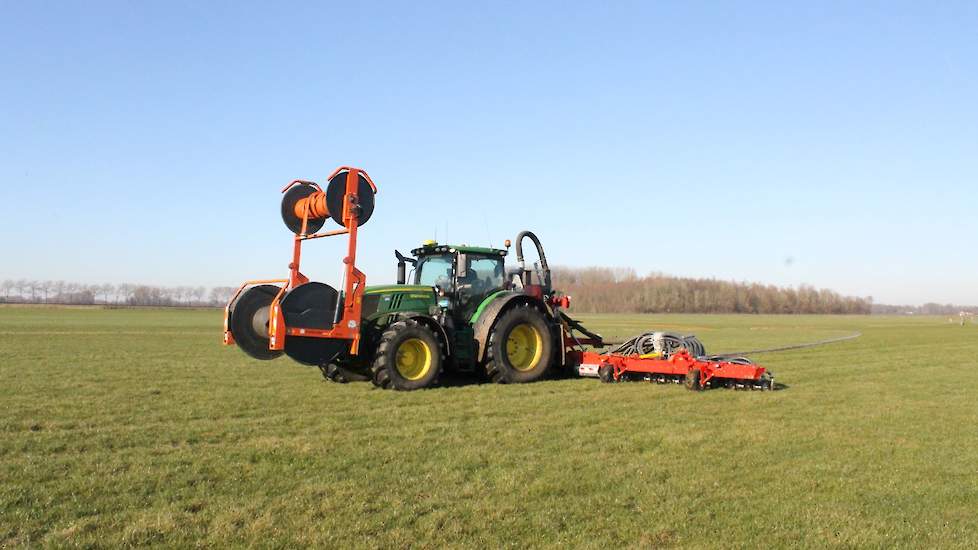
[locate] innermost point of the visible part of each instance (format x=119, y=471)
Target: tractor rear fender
x=492, y=308
x=431, y=323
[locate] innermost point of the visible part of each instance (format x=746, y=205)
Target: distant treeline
x=608, y=290
x=594, y=290
x=926, y=309
x=24, y=291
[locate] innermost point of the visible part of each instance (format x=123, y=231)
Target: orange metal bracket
x=348, y=327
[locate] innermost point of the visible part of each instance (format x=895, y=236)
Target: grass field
x=123, y=427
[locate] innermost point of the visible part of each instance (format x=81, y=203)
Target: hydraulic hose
x=543, y=267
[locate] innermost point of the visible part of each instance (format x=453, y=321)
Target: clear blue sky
x=834, y=144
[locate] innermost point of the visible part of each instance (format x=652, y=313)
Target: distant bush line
x=611, y=290
x=24, y=291
x=594, y=290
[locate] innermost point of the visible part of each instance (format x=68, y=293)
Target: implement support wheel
x=693, y=380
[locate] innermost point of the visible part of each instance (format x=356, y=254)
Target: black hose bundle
x=663, y=343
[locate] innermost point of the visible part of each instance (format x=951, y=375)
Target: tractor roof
x=431, y=247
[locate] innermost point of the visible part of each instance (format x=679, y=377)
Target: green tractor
x=462, y=310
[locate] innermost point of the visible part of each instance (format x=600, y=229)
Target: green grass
x=124, y=427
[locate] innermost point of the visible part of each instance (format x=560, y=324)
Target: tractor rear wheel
x=408, y=357
x=520, y=347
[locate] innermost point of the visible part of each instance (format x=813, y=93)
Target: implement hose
x=852, y=336
x=665, y=344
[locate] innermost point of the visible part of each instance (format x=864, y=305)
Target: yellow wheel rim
x=413, y=359
x=524, y=347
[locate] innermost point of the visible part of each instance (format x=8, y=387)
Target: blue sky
x=833, y=144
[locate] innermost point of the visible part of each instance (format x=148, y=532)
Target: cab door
x=481, y=276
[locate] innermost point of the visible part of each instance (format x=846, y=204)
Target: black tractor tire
x=248, y=322
x=606, y=373
x=342, y=372
x=409, y=357
x=520, y=347
x=693, y=380
x=332, y=373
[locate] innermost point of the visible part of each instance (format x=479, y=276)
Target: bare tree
x=58, y=289
x=21, y=287
x=123, y=292
x=102, y=290
x=198, y=293
x=220, y=295
x=181, y=294
x=44, y=288
x=86, y=294
x=71, y=293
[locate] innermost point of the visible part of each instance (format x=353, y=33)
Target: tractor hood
x=387, y=289
x=385, y=299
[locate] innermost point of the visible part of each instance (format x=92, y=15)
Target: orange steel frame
x=354, y=281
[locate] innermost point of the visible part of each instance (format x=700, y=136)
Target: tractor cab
x=462, y=276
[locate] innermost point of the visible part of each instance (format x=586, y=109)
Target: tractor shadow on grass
x=453, y=379
x=778, y=386
x=459, y=380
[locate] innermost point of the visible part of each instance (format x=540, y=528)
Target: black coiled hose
x=663, y=343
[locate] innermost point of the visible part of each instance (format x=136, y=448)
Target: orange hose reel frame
x=310, y=208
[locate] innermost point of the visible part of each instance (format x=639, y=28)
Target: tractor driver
x=482, y=276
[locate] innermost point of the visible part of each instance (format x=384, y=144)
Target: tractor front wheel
x=408, y=357
x=520, y=347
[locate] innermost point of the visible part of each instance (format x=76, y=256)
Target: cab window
x=484, y=274
x=435, y=270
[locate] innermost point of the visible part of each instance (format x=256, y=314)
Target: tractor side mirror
x=463, y=268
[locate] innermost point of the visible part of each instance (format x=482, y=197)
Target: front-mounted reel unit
x=306, y=201
x=311, y=322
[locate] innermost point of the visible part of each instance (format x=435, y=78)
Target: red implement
x=680, y=367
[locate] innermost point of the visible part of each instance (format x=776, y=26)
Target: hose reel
x=304, y=199
x=311, y=322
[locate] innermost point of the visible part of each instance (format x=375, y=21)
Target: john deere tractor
x=460, y=311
